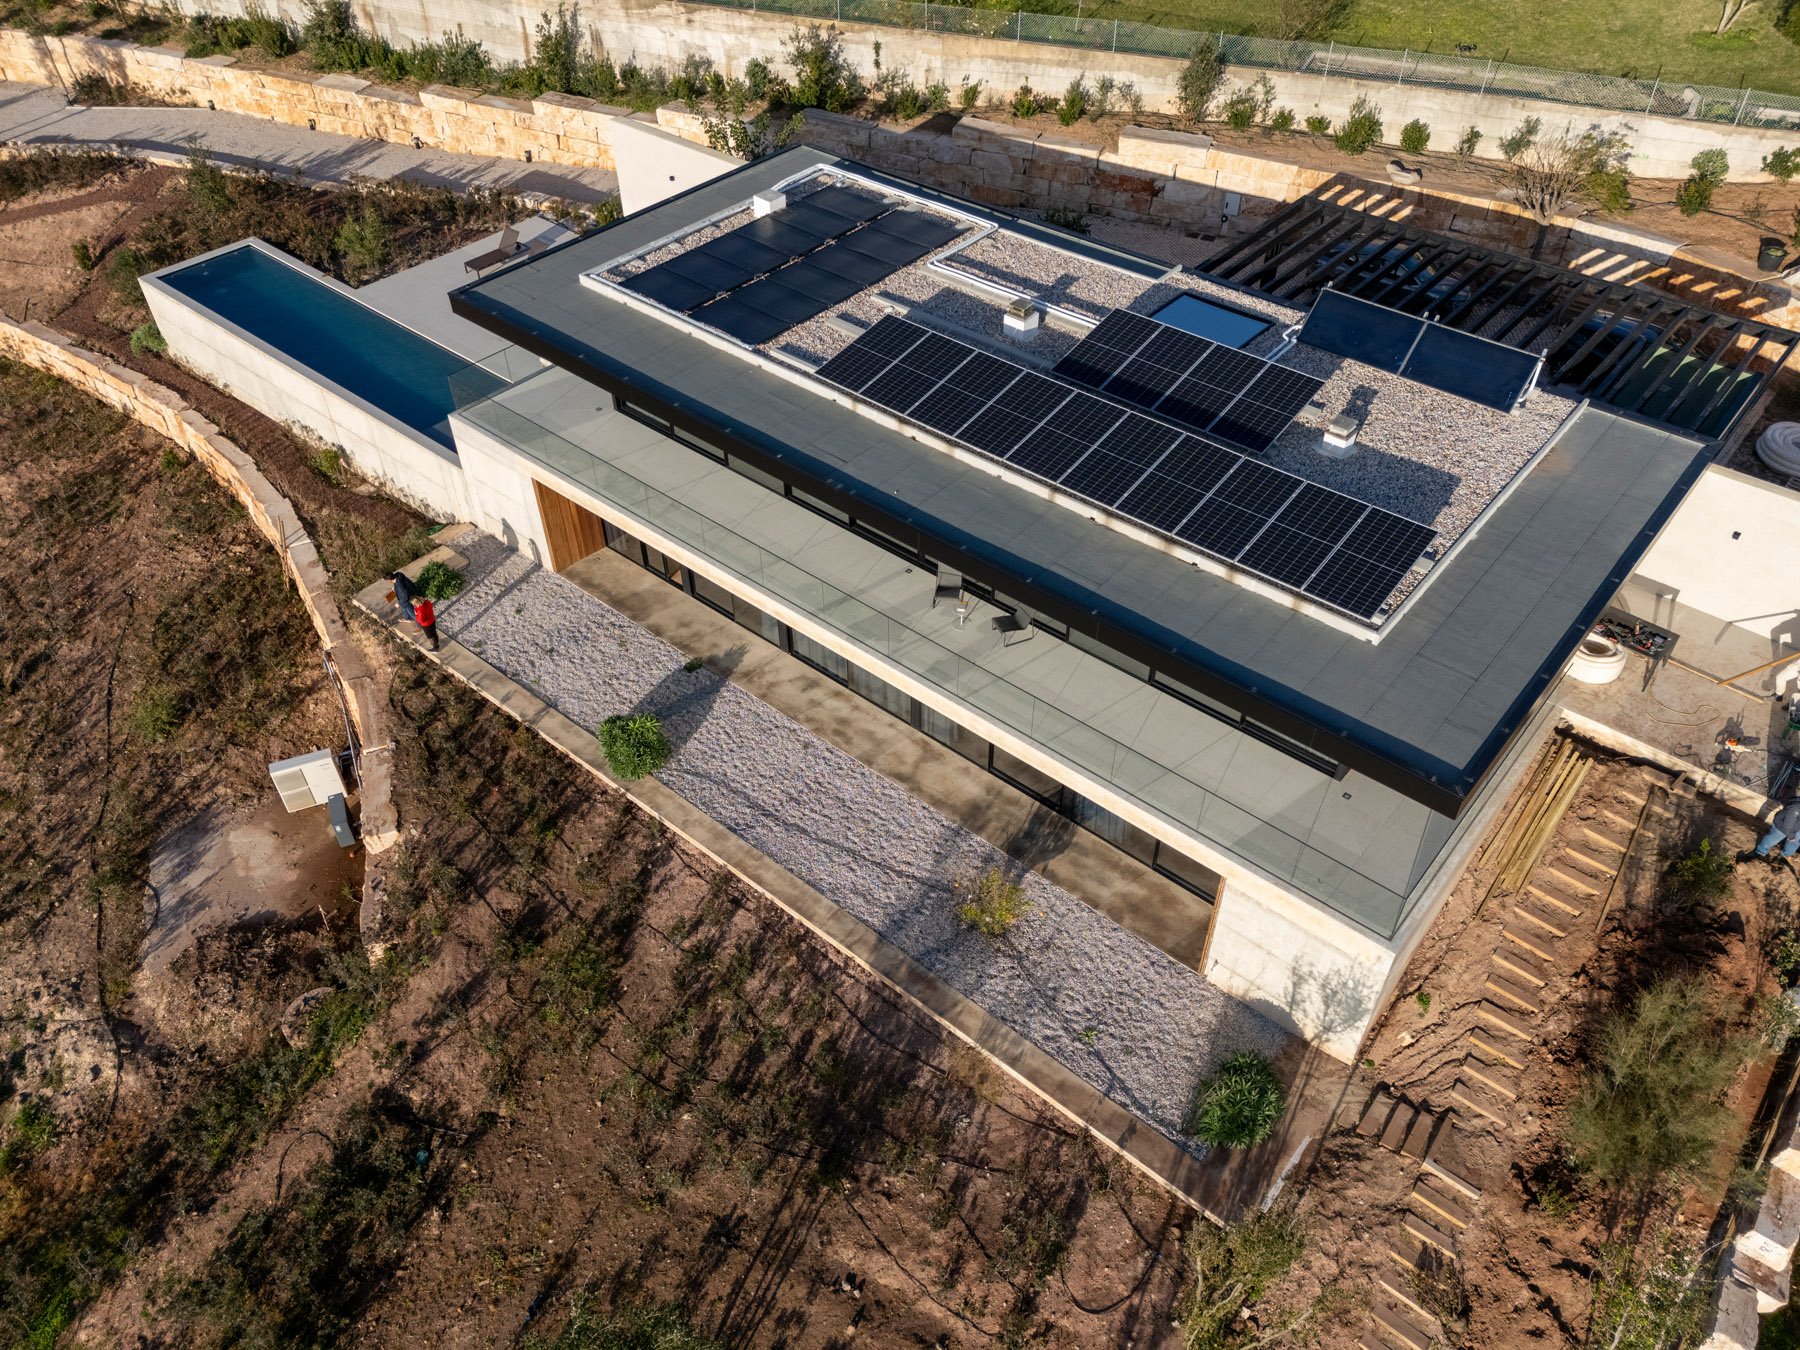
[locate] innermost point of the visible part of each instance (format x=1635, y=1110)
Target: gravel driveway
x=1129, y=1019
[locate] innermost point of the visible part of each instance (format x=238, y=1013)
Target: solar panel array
x=1490, y=373
x=1329, y=547
x=780, y=270
x=1188, y=379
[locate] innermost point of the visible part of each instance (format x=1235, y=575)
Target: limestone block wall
x=168, y=415
x=552, y=129
x=666, y=33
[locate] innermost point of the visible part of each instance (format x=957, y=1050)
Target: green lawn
x=1613, y=37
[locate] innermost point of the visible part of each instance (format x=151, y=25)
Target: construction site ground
x=1444, y=1187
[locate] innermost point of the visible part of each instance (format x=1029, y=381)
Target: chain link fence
x=1697, y=102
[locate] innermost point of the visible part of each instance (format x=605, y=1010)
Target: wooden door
x=571, y=530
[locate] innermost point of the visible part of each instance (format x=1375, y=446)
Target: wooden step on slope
x=1418, y=1226
x=1402, y=1327
x=1496, y=1075
x=1542, y=917
x=1607, y=835
x=1440, y=1205
x=1510, y=993
x=1532, y=938
x=1394, y=1282
x=1375, y=1115
x=1478, y=1103
x=1603, y=863
x=1574, y=882
x=1495, y=1048
x=1509, y=1023
x=1557, y=896
x=1418, y=1138
x=1516, y=964
x=1445, y=1162
x=1394, y=1133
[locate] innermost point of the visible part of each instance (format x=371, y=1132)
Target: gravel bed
x=1049, y=274
x=1132, y=1021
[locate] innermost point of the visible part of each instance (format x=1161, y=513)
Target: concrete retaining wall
x=407, y=463
x=662, y=33
x=166, y=413
x=553, y=129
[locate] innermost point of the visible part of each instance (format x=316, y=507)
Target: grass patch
x=1238, y=1106
x=634, y=745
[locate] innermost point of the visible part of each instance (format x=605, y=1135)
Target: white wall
x=654, y=165
x=410, y=465
x=1732, y=550
x=501, y=499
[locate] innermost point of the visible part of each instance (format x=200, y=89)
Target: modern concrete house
x=1261, y=577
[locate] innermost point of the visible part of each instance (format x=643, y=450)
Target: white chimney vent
x=1339, y=437
x=1022, y=319
x=764, y=202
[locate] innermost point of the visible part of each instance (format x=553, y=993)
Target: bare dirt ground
x=1527, y=1265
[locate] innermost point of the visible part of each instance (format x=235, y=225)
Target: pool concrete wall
x=405, y=462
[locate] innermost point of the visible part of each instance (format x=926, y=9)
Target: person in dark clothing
x=403, y=593
x=1784, y=829
x=425, y=615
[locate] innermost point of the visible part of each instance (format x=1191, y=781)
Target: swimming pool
x=339, y=339
x=1230, y=327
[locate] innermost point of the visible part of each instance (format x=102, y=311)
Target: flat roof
x=1427, y=709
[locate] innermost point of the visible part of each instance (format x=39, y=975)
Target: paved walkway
x=33, y=115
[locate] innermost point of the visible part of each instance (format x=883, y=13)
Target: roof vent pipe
x=1289, y=336
x=1022, y=320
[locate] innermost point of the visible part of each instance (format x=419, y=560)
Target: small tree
x=1318, y=126
x=1200, y=80
x=760, y=135
x=1548, y=175
x=1782, y=164
x=1466, y=143
x=1520, y=139
x=1231, y=1269
x=1237, y=1107
x=1361, y=129
x=634, y=745
x=823, y=75
x=556, y=52
x=1415, y=136
x=362, y=241
x=1074, y=103
x=1652, y=1108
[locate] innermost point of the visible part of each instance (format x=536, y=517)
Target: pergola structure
x=1631, y=348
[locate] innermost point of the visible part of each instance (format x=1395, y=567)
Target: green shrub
x=155, y=714
x=1024, y=102
x=634, y=745
x=147, y=337
x=991, y=904
x=123, y=271
x=1782, y=164
x=1239, y=110
x=362, y=242
x=1231, y=1267
x=1652, y=1108
x=1074, y=103
x=1520, y=139
x=1238, y=1106
x=1361, y=129
x=31, y=1131
x=83, y=254
x=207, y=186
x=1066, y=218
x=1318, y=126
x=1200, y=80
x=823, y=75
x=1693, y=196
x=937, y=97
x=969, y=95
x=1282, y=119
x=1466, y=143
x=1784, y=955
x=1610, y=188
x=440, y=581
x=1702, y=876
x=757, y=77
x=1415, y=136
x=1710, y=166
x=328, y=463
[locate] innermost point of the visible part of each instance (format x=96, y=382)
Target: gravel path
x=32, y=115
x=1117, y=1011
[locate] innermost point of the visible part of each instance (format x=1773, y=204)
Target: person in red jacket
x=425, y=615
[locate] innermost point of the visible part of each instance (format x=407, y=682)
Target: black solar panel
x=717, y=275
x=1189, y=379
x=815, y=278
x=857, y=267
x=1330, y=547
x=845, y=202
x=888, y=248
x=785, y=237
x=778, y=300
x=734, y=248
x=666, y=288
x=738, y=320
x=826, y=223
x=1490, y=373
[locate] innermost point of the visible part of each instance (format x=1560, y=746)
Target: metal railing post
x=1330, y=52
x=1018, y=24
x=1400, y=76
x=1742, y=104
x=1650, y=106
x=1115, y=36
x=1488, y=78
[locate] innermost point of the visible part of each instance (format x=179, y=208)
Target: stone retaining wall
x=550, y=129
x=168, y=414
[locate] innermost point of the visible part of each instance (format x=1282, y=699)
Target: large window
x=819, y=657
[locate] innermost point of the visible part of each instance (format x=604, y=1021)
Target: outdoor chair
x=508, y=247
x=949, y=587
x=1014, y=628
